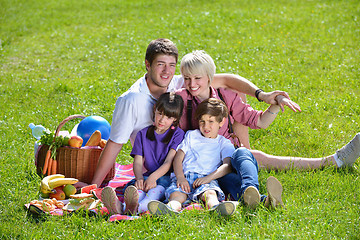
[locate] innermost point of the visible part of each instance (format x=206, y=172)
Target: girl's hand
x=283, y=101
x=183, y=184
x=149, y=184
x=200, y=181
x=139, y=184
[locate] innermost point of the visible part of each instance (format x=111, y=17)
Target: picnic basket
x=78, y=163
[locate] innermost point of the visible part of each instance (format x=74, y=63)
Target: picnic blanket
x=123, y=174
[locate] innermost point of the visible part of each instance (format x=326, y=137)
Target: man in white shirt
x=133, y=109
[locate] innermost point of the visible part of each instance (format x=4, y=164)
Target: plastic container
x=37, y=130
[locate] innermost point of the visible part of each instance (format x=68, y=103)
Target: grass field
x=59, y=58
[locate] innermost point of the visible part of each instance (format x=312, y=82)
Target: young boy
x=201, y=158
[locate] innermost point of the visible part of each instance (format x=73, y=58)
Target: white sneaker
x=111, y=201
x=348, y=154
x=251, y=197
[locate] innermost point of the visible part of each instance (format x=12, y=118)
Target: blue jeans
x=162, y=181
x=245, y=174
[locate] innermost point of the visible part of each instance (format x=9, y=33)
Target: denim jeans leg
x=164, y=181
x=230, y=184
x=245, y=175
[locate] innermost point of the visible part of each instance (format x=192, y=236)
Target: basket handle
x=65, y=121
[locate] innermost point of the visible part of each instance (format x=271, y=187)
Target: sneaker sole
x=226, y=208
x=110, y=200
x=131, y=198
x=158, y=208
x=251, y=197
x=274, y=189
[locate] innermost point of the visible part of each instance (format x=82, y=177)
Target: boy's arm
x=179, y=172
x=242, y=85
x=221, y=171
x=138, y=171
x=270, y=114
x=161, y=171
x=106, y=161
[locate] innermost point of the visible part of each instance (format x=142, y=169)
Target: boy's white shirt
x=204, y=155
x=134, y=110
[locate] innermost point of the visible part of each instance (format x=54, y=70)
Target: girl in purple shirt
x=153, y=152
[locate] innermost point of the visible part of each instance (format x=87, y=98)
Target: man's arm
x=242, y=85
x=106, y=161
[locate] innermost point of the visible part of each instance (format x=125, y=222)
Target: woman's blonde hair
x=198, y=62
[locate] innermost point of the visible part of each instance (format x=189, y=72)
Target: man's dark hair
x=161, y=46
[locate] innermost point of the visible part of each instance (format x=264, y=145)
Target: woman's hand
x=139, y=184
x=283, y=101
x=183, y=184
x=200, y=181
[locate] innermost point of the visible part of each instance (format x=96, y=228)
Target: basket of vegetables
x=56, y=156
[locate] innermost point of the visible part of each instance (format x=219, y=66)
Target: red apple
x=59, y=195
x=75, y=141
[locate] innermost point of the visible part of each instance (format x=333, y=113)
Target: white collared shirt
x=134, y=110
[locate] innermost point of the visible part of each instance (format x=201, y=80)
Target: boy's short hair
x=198, y=62
x=214, y=107
x=161, y=46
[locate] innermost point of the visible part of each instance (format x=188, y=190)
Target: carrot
x=46, y=162
x=50, y=166
x=54, y=166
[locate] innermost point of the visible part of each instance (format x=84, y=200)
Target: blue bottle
x=37, y=130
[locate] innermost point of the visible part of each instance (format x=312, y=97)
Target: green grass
x=59, y=58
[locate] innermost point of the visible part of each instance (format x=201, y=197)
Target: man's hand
x=270, y=97
x=149, y=184
x=283, y=101
x=280, y=98
x=183, y=184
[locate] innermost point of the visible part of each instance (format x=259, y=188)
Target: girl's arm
x=221, y=171
x=161, y=171
x=138, y=171
x=270, y=114
x=179, y=172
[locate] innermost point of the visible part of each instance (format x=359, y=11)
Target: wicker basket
x=78, y=163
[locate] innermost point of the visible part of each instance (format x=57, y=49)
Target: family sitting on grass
x=203, y=165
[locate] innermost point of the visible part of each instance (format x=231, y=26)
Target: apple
x=75, y=141
x=59, y=194
x=66, y=141
x=69, y=190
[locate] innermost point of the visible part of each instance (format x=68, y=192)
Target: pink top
x=239, y=111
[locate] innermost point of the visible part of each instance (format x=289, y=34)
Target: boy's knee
x=209, y=194
x=241, y=154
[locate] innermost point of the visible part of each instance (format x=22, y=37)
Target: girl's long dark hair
x=171, y=105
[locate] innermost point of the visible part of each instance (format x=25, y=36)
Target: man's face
x=161, y=71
